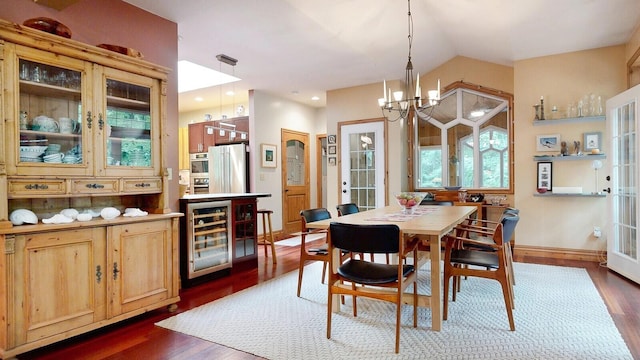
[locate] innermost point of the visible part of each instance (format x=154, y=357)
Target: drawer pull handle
x=36, y=187
x=95, y=186
x=115, y=271
x=89, y=119
x=98, y=274
x=100, y=121
x=143, y=185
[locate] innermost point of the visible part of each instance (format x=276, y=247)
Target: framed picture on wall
x=544, y=175
x=331, y=139
x=332, y=149
x=332, y=161
x=548, y=142
x=592, y=140
x=268, y=155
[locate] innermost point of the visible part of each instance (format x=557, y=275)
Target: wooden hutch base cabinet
x=83, y=128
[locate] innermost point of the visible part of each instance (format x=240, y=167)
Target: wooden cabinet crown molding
x=23, y=35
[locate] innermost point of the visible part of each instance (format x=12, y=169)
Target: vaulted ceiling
x=302, y=48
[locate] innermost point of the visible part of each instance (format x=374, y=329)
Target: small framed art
x=548, y=142
x=332, y=161
x=332, y=149
x=592, y=140
x=268, y=155
x=544, y=175
x=331, y=139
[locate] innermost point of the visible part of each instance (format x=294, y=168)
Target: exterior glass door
x=622, y=236
x=363, y=169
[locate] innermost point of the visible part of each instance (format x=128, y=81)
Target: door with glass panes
x=623, y=255
x=362, y=164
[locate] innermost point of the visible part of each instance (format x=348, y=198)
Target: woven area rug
x=297, y=240
x=559, y=315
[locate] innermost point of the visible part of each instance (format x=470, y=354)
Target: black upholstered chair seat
x=369, y=273
x=473, y=257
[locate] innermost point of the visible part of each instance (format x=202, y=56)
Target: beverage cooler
x=206, y=248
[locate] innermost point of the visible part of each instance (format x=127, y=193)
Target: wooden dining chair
x=469, y=260
x=316, y=253
x=352, y=208
x=346, y=209
x=482, y=228
x=386, y=282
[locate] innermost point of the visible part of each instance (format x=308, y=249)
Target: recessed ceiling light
x=193, y=76
x=315, y=98
x=199, y=99
x=230, y=93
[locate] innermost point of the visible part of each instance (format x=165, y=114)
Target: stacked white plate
x=53, y=158
x=32, y=153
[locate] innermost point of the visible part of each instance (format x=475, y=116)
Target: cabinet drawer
x=28, y=188
x=94, y=186
x=147, y=185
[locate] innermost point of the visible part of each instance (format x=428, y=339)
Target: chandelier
x=397, y=107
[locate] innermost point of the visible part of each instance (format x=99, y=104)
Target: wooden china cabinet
x=84, y=129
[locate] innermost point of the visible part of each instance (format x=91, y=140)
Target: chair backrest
x=346, y=209
x=311, y=215
x=509, y=222
x=378, y=239
x=436, y=202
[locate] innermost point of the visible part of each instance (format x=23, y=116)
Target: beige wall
x=270, y=115
x=116, y=22
x=554, y=222
x=562, y=222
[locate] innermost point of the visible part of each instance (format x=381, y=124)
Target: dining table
x=429, y=223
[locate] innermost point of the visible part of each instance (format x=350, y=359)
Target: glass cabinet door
x=129, y=144
x=50, y=121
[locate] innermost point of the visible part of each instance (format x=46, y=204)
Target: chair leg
x=300, y=272
x=329, y=311
x=508, y=301
x=398, y=315
x=445, y=293
x=271, y=241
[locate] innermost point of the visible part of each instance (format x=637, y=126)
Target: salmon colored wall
x=119, y=23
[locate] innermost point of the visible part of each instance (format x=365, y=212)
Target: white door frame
x=623, y=255
x=378, y=127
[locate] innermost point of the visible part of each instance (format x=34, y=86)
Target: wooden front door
x=295, y=178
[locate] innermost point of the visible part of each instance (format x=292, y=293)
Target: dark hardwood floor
x=139, y=338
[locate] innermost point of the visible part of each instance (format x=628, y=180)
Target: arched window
x=464, y=141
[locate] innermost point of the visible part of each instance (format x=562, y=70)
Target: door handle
x=344, y=191
x=608, y=190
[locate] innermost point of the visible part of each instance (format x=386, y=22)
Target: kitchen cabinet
x=232, y=131
x=110, y=112
x=218, y=232
x=141, y=265
x=201, y=137
x=244, y=233
x=47, y=302
x=103, y=273
x=83, y=128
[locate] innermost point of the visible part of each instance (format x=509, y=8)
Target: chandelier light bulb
x=397, y=95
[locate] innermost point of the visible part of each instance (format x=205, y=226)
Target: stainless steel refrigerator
x=228, y=169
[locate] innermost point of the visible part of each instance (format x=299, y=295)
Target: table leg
x=436, y=284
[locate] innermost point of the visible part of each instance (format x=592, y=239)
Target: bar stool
x=266, y=217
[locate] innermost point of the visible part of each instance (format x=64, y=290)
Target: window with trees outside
x=465, y=141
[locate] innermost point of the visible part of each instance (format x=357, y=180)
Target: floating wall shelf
x=569, y=120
